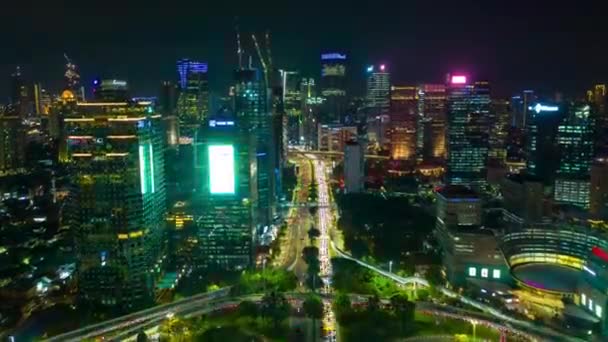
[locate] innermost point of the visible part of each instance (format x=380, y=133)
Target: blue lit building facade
x=576, y=146
x=468, y=106
x=116, y=208
x=333, y=86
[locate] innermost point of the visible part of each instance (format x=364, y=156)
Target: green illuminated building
x=228, y=195
x=254, y=117
x=114, y=155
x=575, y=141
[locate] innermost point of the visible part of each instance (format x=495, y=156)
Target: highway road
x=325, y=221
x=299, y=222
x=140, y=317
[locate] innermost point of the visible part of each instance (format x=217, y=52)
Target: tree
x=373, y=303
x=313, y=233
x=313, y=308
x=404, y=311
x=310, y=254
x=434, y=275
x=142, y=337
x=275, y=307
x=342, y=305
x=248, y=308
x=313, y=209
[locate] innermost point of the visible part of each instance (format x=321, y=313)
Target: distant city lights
x=382, y=67
x=370, y=68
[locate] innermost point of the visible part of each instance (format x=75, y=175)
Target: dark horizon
x=515, y=46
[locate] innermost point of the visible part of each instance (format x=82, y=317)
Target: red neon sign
x=600, y=253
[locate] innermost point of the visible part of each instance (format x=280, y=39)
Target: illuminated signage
x=542, y=108
x=382, y=67
x=214, y=123
x=114, y=83
x=459, y=79
x=221, y=169
x=370, y=68
x=334, y=55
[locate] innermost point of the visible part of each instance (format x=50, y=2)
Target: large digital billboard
x=221, y=169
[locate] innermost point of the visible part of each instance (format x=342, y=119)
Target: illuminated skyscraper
x=403, y=117
x=575, y=140
x=542, y=154
x=333, y=86
x=252, y=114
x=431, y=122
x=468, y=106
x=12, y=144
x=520, y=105
x=311, y=105
x=499, y=123
x=193, y=101
x=599, y=100
x=378, y=90
x=117, y=203
x=228, y=195
x=109, y=90
x=292, y=102
x=19, y=95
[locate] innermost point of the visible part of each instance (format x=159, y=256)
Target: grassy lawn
x=430, y=325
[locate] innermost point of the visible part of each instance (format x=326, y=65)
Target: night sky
x=514, y=44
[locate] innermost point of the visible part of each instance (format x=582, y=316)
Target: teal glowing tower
x=117, y=201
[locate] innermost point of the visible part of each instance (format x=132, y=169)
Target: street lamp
x=474, y=323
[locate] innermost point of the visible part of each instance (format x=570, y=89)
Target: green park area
x=382, y=230
x=383, y=321
x=244, y=321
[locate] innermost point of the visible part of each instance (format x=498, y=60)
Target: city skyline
x=519, y=46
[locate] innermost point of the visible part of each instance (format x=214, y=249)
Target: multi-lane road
x=325, y=221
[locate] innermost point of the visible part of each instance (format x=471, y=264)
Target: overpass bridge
x=336, y=154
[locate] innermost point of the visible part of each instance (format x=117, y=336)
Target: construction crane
x=239, y=51
x=262, y=59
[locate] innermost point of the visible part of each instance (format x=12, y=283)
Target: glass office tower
x=575, y=140
x=228, y=195
x=468, y=106
x=117, y=200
